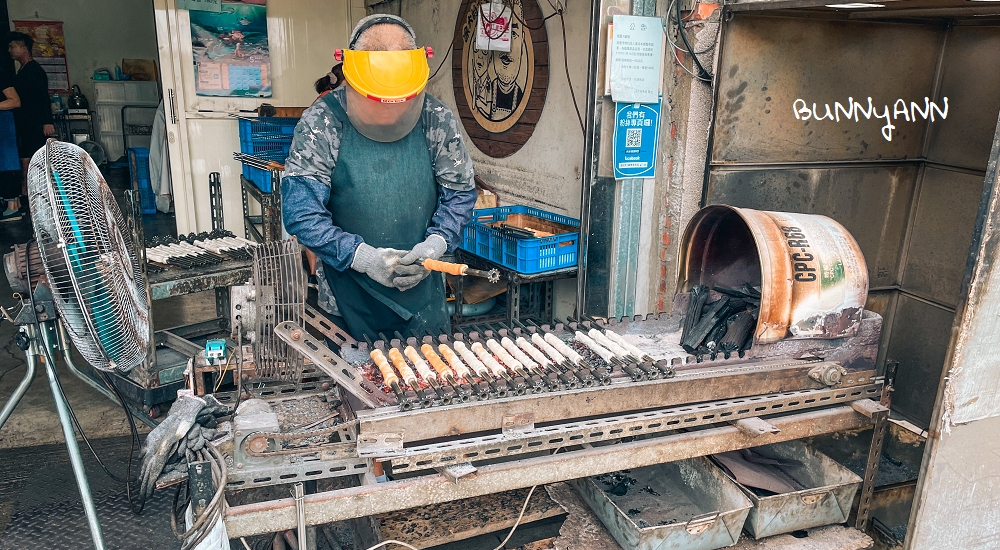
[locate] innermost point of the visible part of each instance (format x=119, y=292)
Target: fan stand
x=31, y=341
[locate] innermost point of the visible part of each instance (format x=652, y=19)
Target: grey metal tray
x=685, y=505
x=826, y=500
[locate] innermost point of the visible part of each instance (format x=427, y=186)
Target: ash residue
x=658, y=346
x=616, y=483
x=890, y=470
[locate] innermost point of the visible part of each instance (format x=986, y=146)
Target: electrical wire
x=222, y=371
x=62, y=393
x=385, y=542
x=702, y=73
x=519, y=517
x=524, y=507
x=670, y=10
x=215, y=509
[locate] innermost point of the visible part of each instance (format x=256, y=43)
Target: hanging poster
x=636, y=50
x=200, y=5
x=637, y=131
x=230, y=48
x=49, y=51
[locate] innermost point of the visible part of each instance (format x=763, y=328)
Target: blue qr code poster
x=637, y=131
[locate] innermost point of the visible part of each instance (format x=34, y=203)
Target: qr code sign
x=633, y=137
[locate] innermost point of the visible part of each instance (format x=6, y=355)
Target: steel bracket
x=518, y=424
x=329, y=362
x=456, y=472
x=755, y=426
x=870, y=408
x=380, y=445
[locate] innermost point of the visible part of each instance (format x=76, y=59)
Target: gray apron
x=387, y=194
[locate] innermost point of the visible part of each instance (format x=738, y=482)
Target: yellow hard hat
x=387, y=76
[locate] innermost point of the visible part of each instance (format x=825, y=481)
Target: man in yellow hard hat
x=377, y=180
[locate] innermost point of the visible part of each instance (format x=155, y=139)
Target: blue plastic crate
x=277, y=128
x=522, y=255
x=267, y=150
x=138, y=168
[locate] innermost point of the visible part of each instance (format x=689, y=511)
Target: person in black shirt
x=34, y=119
x=10, y=166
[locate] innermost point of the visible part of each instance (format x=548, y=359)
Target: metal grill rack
x=777, y=392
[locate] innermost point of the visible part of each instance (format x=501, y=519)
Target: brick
x=673, y=130
x=659, y=304
x=666, y=238
x=663, y=271
x=663, y=254
x=663, y=286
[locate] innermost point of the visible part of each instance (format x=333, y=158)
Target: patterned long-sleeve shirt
x=305, y=189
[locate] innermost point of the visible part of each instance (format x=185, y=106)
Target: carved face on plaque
x=497, y=85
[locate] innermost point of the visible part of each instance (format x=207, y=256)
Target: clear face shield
x=385, y=92
x=383, y=122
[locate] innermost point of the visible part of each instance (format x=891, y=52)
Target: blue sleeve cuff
x=304, y=213
x=452, y=215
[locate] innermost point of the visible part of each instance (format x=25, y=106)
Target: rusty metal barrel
x=809, y=269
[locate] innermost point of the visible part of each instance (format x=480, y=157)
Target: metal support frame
x=541, y=305
x=215, y=198
x=695, y=386
x=491, y=447
x=270, y=210
x=880, y=415
x=36, y=340
x=276, y=515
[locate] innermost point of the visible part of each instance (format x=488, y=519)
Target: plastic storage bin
x=684, y=505
x=524, y=255
x=138, y=168
x=276, y=128
x=826, y=500
x=269, y=139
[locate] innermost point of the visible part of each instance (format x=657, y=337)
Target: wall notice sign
x=49, y=51
x=637, y=131
x=200, y=5
x=493, y=27
x=636, y=46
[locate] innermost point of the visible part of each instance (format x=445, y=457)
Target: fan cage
x=96, y=281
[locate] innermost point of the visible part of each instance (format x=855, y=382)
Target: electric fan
x=96, y=282
x=91, y=281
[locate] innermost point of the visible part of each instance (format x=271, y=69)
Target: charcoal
x=699, y=295
x=738, y=327
x=750, y=290
x=714, y=337
x=746, y=293
x=718, y=314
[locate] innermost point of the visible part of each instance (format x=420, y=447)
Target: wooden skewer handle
x=446, y=267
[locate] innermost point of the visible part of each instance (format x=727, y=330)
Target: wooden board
x=463, y=519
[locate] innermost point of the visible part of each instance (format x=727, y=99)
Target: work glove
x=411, y=270
x=163, y=441
x=377, y=263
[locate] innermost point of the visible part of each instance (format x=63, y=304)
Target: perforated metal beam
x=278, y=515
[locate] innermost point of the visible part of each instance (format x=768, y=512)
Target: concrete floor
x=36, y=475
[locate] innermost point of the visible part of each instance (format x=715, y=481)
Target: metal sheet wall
x=971, y=81
x=910, y=202
x=769, y=62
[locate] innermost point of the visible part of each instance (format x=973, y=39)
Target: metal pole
x=300, y=512
x=90, y=381
x=74, y=450
x=591, y=151
x=8, y=407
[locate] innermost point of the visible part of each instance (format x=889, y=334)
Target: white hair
x=385, y=37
